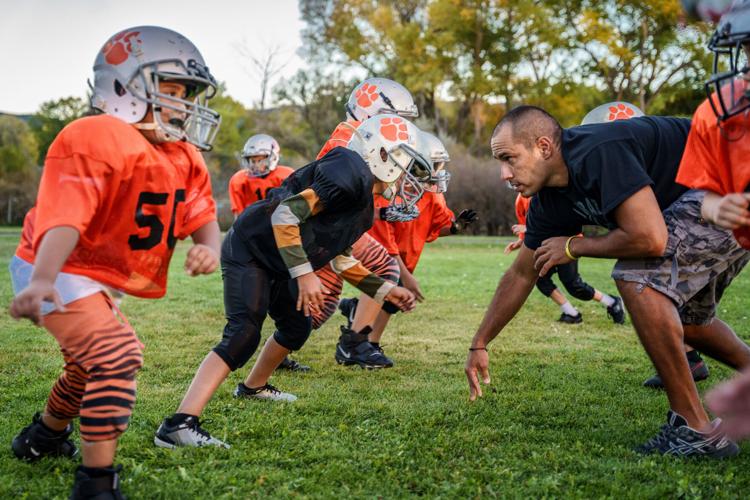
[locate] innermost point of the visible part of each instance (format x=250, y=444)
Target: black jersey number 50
x=156, y=227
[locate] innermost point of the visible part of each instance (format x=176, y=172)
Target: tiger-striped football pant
x=373, y=256
x=102, y=356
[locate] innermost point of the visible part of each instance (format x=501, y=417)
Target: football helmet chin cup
x=728, y=89
x=260, y=145
x=127, y=74
x=375, y=96
x=387, y=143
x=433, y=149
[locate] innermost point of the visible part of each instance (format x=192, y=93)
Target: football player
x=260, y=173
x=269, y=257
x=372, y=96
x=117, y=192
x=430, y=218
x=715, y=160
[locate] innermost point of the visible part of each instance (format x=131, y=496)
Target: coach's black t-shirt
x=607, y=163
x=343, y=182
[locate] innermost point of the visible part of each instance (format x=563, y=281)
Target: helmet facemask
x=439, y=180
x=260, y=167
x=409, y=188
x=729, y=91
x=201, y=123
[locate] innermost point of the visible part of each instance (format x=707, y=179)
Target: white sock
x=607, y=300
x=568, y=309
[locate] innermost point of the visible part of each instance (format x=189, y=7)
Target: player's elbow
x=654, y=244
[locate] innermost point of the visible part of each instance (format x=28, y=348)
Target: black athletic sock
x=694, y=356
x=97, y=471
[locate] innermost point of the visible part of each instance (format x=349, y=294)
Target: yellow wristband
x=567, y=247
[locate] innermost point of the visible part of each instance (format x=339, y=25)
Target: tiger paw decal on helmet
x=620, y=112
x=366, y=95
x=118, y=49
x=611, y=111
x=394, y=129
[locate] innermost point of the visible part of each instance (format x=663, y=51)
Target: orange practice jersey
x=244, y=189
x=522, y=208
x=411, y=236
x=712, y=162
x=384, y=232
x=129, y=200
x=339, y=137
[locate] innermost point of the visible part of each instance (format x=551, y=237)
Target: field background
x=566, y=408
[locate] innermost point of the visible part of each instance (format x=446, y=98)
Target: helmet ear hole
x=119, y=89
x=383, y=154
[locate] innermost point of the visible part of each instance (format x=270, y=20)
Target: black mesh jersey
x=343, y=182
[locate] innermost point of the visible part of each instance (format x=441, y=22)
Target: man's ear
x=546, y=147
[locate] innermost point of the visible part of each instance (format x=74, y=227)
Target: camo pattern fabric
x=700, y=261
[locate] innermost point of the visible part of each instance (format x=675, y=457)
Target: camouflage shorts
x=699, y=263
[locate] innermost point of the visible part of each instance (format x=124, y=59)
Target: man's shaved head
x=528, y=123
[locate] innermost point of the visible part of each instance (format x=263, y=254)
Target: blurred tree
x=18, y=169
x=50, y=119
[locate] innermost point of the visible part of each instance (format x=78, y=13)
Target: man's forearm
x=617, y=244
x=510, y=295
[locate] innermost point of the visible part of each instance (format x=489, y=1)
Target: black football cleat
x=97, y=484
x=616, y=311
x=570, y=319
x=698, y=369
x=292, y=365
x=348, y=308
x=354, y=349
x=36, y=440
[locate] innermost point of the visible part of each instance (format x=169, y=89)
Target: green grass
x=566, y=408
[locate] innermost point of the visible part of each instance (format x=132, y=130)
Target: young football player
x=715, y=160
x=117, y=192
x=569, y=277
x=430, y=218
x=371, y=97
x=269, y=258
x=260, y=173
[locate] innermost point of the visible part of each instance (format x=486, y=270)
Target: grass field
x=566, y=408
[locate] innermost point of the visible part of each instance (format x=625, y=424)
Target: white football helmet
x=127, y=73
x=376, y=96
x=260, y=145
x=388, y=144
x=433, y=149
x=616, y=110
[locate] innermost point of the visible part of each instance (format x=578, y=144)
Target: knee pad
x=238, y=345
x=579, y=289
x=292, y=339
x=545, y=285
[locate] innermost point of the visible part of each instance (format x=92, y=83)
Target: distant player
x=268, y=261
x=260, y=173
x=117, y=192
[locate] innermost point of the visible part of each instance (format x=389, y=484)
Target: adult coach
x=672, y=268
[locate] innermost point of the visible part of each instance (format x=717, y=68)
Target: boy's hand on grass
x=402, y=297
x=201, y=259
x=311, y=294
x=28, y=303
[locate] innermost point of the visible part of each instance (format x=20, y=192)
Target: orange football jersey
x=716, y=159
x=383, y=231
x=522, y=208
x=244, y=189
x=129, y=200
x=411, y=236
x=339, y=137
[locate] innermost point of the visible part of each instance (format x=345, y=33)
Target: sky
x=50, y=45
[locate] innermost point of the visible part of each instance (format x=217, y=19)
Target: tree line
x=465, y=61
